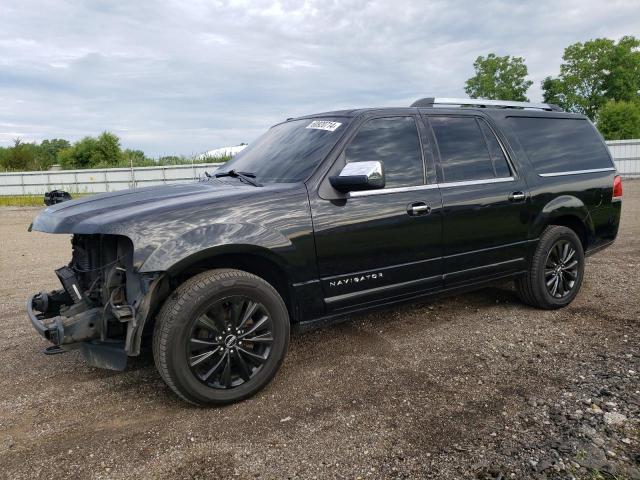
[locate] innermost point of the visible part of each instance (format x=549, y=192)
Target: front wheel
x=221, y=337
x=556, y=271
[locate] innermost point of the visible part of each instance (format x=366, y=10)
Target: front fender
x=562, y=206
x=201, y=242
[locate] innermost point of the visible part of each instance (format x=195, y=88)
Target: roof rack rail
x=479, y=102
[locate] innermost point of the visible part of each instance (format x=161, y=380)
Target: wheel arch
x=575, y=224
x=256, y=260
x=567, y=211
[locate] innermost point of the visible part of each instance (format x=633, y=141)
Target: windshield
x=290, y=151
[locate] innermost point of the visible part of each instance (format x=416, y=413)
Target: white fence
x=99, y=180
x=626, y=154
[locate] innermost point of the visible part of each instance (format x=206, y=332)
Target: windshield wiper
x=246, y=177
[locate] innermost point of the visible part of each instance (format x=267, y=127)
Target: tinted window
x=500, y=164
x=394, y=142
x=290, y=151
x=463, y=151
x=560, y=145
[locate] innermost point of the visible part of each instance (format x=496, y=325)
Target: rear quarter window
x=557, y=145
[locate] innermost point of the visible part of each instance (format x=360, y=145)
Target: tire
x=532, y=288
x=196, y=333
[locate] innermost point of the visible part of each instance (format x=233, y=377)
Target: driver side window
x=394, y=142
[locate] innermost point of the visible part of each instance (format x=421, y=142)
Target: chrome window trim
x=384, y=191
x=478, y=119
x=476, y=182
x=424, y=160
x=364, y=193
x=577, y=172
x=510, y=163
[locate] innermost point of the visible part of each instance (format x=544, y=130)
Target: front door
x=384, y=244
x=485, y=201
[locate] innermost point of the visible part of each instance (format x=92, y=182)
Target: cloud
x=184, y=77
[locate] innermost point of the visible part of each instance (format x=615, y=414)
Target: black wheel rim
x=561, y=269
x=230, y=342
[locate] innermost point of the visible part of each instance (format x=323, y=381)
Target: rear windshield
x=290, y=151
x=560, y=145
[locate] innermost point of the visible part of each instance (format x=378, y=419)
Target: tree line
x=599, y=78
x=103, y=151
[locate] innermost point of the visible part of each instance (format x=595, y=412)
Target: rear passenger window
x=500, y=164
x=394, y=142
x=560, y=144
x=463, y=150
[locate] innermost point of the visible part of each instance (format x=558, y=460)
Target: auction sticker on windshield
x=324, y=125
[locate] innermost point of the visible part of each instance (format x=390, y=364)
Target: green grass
x=29, y=200
x=22, y=201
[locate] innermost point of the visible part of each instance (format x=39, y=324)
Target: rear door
x=374, y=246
x=485, y=201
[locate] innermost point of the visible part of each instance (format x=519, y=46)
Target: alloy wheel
x=230, y=342
x=561, y=269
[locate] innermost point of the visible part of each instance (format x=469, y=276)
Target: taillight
x=617, y=188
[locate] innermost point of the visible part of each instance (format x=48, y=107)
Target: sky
x=183, y=77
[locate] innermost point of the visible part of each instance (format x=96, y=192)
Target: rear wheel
x=556, y=271
x=221, y=337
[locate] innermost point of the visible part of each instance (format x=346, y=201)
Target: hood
x=110, y=212
x=169, y=224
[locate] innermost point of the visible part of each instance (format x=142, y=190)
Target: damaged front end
x=103, y=304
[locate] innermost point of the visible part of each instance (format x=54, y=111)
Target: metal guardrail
x=100, y=179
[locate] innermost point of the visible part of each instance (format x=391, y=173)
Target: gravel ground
x=475, y=386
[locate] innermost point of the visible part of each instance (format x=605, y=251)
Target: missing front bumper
x=62, y=329
x=81, y=330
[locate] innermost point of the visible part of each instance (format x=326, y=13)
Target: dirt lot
x=475, y=386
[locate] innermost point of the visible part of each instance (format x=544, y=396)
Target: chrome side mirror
x=359, y=176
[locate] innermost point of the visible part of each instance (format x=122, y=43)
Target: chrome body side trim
x=488, y=249
x=577, y=172
x=378, y=269
x=484, y=267
x=383, y=288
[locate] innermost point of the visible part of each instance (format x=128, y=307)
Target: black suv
x=321, y=217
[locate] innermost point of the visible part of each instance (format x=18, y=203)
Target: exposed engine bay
x=102, y=305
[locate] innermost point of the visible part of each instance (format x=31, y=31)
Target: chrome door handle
x=418, y=208
x=517, y=197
